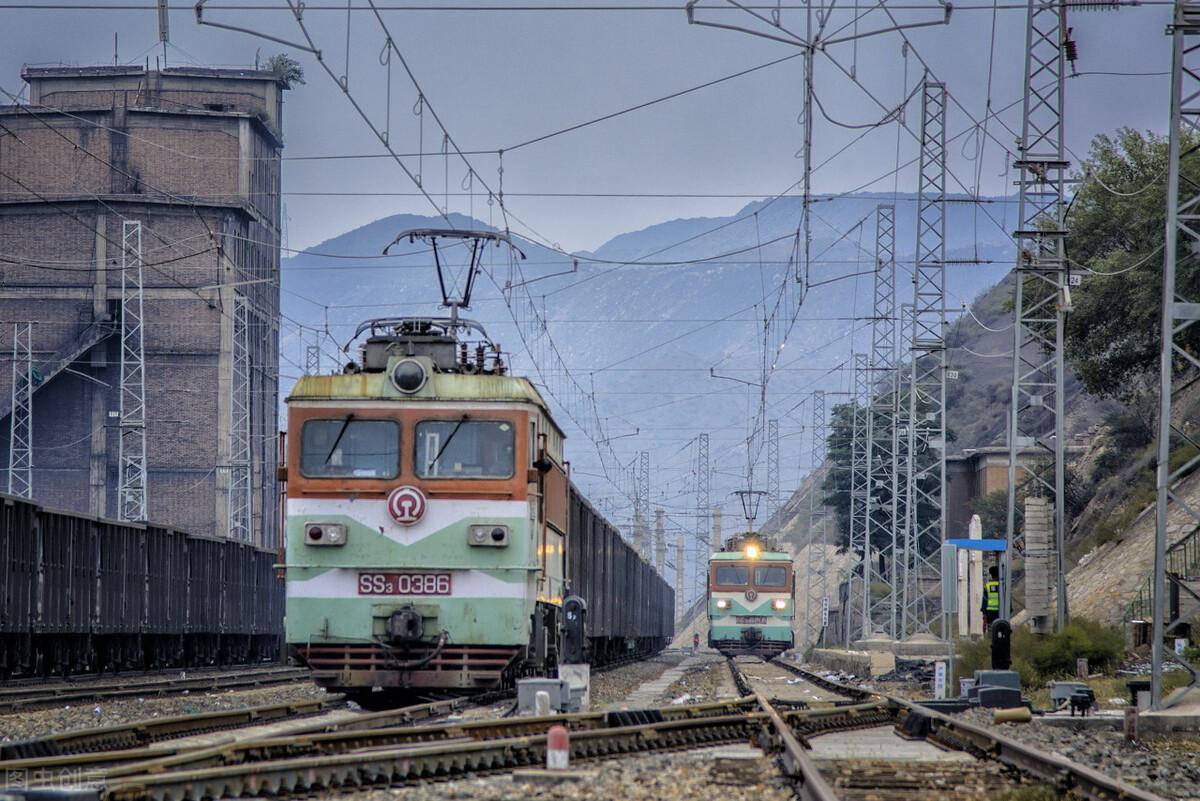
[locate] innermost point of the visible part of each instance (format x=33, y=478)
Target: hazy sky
x=498, y=78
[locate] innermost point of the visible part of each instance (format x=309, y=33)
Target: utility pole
x=816, y=571
x=858, y=599
x=813, y=40
x=240, y=483
x=20, y=433
x=882, y=432
x=1040, y=294
x=927, y=398
x=705, y=542
x=1178, y=314
x=131, y=460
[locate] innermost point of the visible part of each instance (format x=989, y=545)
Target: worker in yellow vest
x=991, y=598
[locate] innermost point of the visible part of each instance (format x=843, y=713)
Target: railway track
x=141, y=763
x=39, y=695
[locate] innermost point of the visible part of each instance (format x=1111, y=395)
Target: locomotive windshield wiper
x=338, y=441
x=446, y=444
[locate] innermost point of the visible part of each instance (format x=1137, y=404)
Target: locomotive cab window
x=770, y=576
x=732, y=575
x=465, y=448
x=350, y=448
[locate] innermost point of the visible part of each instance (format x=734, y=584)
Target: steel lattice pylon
x=1179, y=313
x=772, y=469
x=816, y=575
x=240, y=484
x=20, y=431
x=131, y=461
x=859, y=582
x=927, y=398
x=704, y=542
x=882, y=433
x=641, y=510
x=312, y=360
x=903, y=468
x=1036, y=405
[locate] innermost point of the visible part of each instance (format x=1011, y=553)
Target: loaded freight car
x=630, y=608
x=83, y=594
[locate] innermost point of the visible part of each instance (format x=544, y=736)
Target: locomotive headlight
x=491, y=535
x=722, y=603
x=779, y=604
x=751, y=551
x=408, y=376
x=325, y=534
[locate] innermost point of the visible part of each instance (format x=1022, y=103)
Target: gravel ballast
x=683, y=775
x=29, y=724
x=612, y=687
x=1168, y=766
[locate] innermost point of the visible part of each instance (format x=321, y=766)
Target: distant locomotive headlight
x=488, y=534
x=325, y=534
x=722, y=603
x=779, y=604
x=409, y=376
x=751, y=551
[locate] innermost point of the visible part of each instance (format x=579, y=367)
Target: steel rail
x=797, y=764
x=359, y=739
x=144, y=732
x=303, y=763
x=417, y=763
x=1061, y=772
x=14, y=699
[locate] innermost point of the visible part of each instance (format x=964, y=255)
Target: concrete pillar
x=1039, y=561
x=970, y=584
x=679, y=577
x=660, y=542
x=102, y=399
x=717, y=542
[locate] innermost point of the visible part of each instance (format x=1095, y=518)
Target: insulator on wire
x=1070, y=48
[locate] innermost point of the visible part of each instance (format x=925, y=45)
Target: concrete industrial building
x=194, y=155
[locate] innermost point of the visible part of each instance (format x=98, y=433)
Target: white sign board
x=1180, y=644
x=825, y=611
x=939, y=680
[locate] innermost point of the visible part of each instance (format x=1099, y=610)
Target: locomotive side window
x=770, y=576
x=350, y=448
x=465, y=448
x=732, y=575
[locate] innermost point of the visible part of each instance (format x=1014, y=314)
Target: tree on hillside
x=1117, y=223
x=837, y=481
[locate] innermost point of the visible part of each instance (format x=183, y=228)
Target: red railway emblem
x=406, y=505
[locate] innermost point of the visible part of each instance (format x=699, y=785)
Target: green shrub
x=1053, y=656
x=970, y=656
x=1030, y=678
x=1038, y=658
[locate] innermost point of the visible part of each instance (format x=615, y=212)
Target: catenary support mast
x=927, y=398
x=131, y=462
x=1040, y=293
x=882, y=487
x=20, y=432
x=1179, y=313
